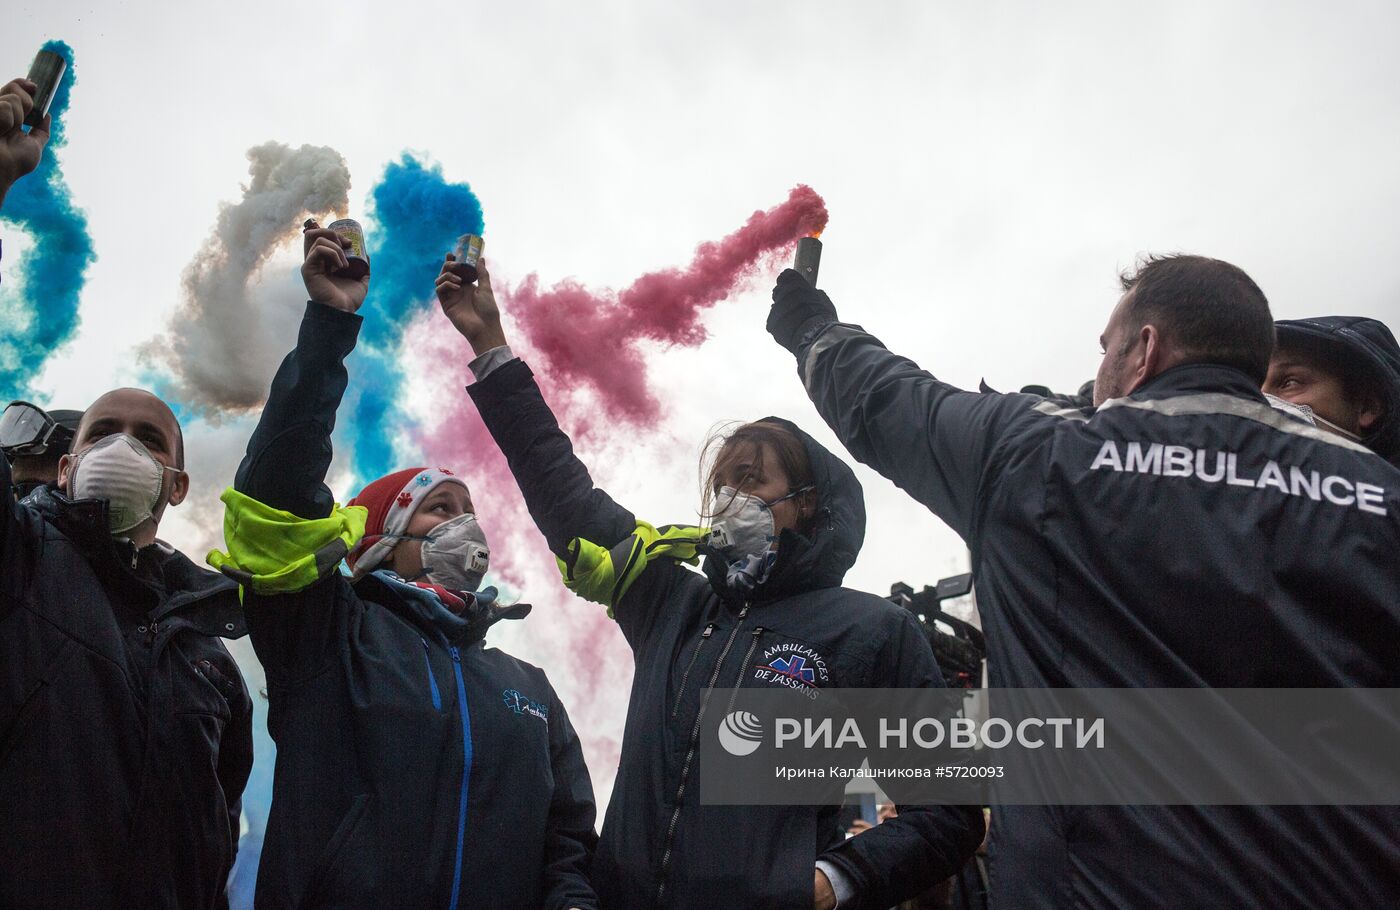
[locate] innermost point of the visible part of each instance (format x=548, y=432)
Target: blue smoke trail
x=417, y=216
x=43, y=314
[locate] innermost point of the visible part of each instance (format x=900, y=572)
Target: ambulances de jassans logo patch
x=793, y=665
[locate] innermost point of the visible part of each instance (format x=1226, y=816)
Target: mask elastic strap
x=810, y=486
x=1347, y=434
x=375, y=538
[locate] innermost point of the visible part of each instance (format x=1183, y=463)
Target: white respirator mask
x=745, y=526
x=455, y=553
x=1307, y=413
x=122, y=471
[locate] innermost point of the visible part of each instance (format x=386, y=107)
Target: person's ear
x=179, y=488
x=806, y=510
x=1372, y=409
x=1146, y=357
x=65, y=471
x=391, y=559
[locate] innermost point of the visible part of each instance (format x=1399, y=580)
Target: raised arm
x=290, y=451
x=20, y=149
x=932, y=439
x=284, y=534
x=20, y=153
x=605, y=554
x=557, y=487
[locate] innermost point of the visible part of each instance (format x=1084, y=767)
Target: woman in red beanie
x=432, y=508
x=415, y=766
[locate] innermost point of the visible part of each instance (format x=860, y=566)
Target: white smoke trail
x=228, y=334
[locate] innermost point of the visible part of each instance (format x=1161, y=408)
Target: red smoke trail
x=569, y=326
x=577, y=339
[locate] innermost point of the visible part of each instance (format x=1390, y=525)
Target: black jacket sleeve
x=570, y=838
x=290, y=450
x=285, y=467
x=923, y=845
x=931, y=438
x=557, y=487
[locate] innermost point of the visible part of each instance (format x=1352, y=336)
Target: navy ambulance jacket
x=1186, y=535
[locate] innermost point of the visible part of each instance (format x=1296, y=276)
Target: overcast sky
x=988, y=168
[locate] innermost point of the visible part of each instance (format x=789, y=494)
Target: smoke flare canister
x=46, y=73
x=809, y=258
x=350, y=229
x=466, y=256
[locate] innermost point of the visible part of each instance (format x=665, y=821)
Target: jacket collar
x=425, y=609
x=1194, y=378
x=157, y=581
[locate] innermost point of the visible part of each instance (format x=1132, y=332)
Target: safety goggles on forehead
x=27, y=429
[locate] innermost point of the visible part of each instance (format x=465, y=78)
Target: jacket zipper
x=694, y=656
x=466, y=774
x=432, y=680
x=690, y=756
x=743, y=668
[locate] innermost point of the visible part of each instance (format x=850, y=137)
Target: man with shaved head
x=125, y=725
x=141, y=416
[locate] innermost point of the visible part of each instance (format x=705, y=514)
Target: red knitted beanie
x=391, y=501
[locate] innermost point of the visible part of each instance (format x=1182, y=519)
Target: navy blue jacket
x=688, y=632
x=1187, y=535
x=125, y=728
x=416, y=767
